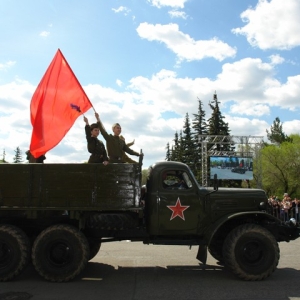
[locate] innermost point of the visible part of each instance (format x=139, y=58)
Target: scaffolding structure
x=249, y=146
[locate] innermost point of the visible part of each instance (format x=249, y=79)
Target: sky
x=145, y=64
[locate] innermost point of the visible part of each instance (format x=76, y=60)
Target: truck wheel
x=94, y=248
x=251, y=252
x=14, y=251
x=60, y=252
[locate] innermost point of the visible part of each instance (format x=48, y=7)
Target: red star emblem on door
x=177, y=210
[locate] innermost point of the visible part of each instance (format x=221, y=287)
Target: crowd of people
x=284, y=208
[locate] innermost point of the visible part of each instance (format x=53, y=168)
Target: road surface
x=133, y=271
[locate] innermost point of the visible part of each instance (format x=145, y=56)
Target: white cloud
x=249, y=74
x=291, y=127
x=15, y=96
x=272, y=24
x=119, y=82
x=276, y=59
x=285, y=95
x=251, y=83
x=7, y=65
x=171, y=3
x=185, y=47
x=44, y=33
x=249, y=109
x=177, y=14
x=244, y=126
x=121, y=9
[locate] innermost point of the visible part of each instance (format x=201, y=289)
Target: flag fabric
x=55, y=105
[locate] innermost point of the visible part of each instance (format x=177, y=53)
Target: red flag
x=55, y=105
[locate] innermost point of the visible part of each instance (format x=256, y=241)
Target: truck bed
x=70, y=186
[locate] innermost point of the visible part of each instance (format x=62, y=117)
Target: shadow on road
x=104, y=281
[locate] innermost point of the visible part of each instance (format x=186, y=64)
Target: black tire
x=60, y=253
x=14, y=251
x=94, y=248
x=251, y=252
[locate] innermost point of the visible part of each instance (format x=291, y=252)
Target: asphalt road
x=133, y=271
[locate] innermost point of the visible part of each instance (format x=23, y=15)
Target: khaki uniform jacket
x=126, y=158
x=115, y=146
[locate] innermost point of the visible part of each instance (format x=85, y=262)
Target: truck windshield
x=176, y=179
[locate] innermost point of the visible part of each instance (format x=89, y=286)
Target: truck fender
x=221, y=222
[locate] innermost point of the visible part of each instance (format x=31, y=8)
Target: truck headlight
x=293, y=222
x=262, y=205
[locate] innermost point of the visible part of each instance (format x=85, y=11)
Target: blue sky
x=145, y=63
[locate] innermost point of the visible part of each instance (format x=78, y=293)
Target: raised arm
x=101, y=127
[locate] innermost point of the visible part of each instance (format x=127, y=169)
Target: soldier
x=115, y=145
x=31, y=159
x=95, y=146
x=125, y=157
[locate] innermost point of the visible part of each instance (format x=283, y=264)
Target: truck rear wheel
x=14, y=251
x=60, y=252
x=251, y=252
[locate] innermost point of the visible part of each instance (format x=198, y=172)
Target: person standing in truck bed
x=31, y=159
x=114, y=144
x=95, y=146
x=125, y=157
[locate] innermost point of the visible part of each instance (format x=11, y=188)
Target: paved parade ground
x=133, y=271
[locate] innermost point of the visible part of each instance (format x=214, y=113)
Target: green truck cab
x=58, y=215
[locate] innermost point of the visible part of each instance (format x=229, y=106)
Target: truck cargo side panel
x=84, y=186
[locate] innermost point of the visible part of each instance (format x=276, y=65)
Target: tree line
x=17, y=157
x=186, y=145
x=276, y=164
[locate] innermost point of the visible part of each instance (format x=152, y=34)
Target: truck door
x=178, y=204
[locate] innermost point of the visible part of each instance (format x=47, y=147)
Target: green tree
x=217, y=125
x=175, y=147
x=168, y=154
x=199, y=127
x=199, y=123
x=144, y=176
x=281, y=167
x=18, y=156
x=180, y=149
x=276, y=134
x=188, y=145
x=3, y=157
x=177, y=150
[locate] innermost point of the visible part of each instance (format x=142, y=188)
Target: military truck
x=56, y=216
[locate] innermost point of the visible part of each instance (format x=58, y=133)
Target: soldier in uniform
x=125, y=157
x=114, y=144
x=31, y=159
x=95, y=146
